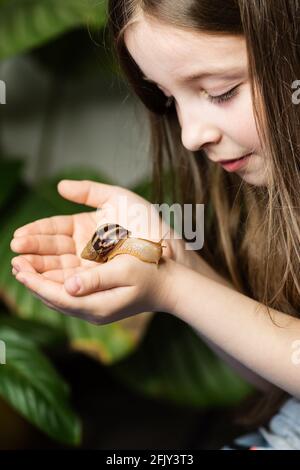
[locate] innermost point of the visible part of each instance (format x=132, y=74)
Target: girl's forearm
x=239, y=325
x=194, y=261
x=249, y=375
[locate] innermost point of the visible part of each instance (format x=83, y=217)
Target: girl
x=217, y=79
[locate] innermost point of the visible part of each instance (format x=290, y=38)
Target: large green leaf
x=173, y=364
x=32, y=386
x=107, y=343
x=25, y=24
x=42, y=335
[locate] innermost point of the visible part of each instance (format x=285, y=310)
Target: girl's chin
x=255, y=173
x=256, y=178
x=255, y=182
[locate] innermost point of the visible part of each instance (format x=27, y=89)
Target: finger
x=55, y=297
x=52, y=292
x=22, y=264
x=43, y=244
x=25, y=266
x=61, y=275
x=47, y=263
x=86, y=192
x=97, y=308
x=45, y=301
x=56, y=225
x=107, y=276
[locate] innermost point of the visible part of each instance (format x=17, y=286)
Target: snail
x=111, y=240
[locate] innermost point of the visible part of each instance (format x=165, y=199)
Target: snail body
x=142, y=249
x=111, y=240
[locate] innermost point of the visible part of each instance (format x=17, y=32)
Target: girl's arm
x=195, y=262
x=247, y=374
x=240, y=326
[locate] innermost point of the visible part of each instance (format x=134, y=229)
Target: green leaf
x=41, y=335
x=25, y=24
x=174, y=364
x=107, y=343
x=32, y=386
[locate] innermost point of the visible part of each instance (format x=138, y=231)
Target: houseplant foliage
x=25, y=24
x=152, y=353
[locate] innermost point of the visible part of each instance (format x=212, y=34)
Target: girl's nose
x=197, y=130
x=195, y=136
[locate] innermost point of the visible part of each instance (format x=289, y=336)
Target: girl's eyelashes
x=213, y=99
x=225, y=97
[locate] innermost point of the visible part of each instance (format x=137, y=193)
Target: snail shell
x=111, y=240
x=106, y=237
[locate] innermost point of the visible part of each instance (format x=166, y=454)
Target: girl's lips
x=235, y=165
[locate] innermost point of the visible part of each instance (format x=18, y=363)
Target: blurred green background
x=147, y=381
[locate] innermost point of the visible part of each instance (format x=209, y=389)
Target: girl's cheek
x=246, y=134
x=242, y=124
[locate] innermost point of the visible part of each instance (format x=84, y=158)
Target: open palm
x=52, y=246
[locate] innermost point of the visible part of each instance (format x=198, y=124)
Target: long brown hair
x=254, y=232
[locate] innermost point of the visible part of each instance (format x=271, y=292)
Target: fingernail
x=21, y=278
x=73, y=284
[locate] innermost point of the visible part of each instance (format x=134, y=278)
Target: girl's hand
x=50, y=259
x=106, y=293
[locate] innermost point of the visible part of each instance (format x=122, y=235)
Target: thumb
x=95, y=279
x=90, y=193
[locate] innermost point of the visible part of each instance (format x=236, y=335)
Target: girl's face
x=215, y=107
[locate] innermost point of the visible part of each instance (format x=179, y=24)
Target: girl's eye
x=213, y=99
x=225, y=97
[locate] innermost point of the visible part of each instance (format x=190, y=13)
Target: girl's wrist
x=192, y=260
x=165, y=286
x=172, y=274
